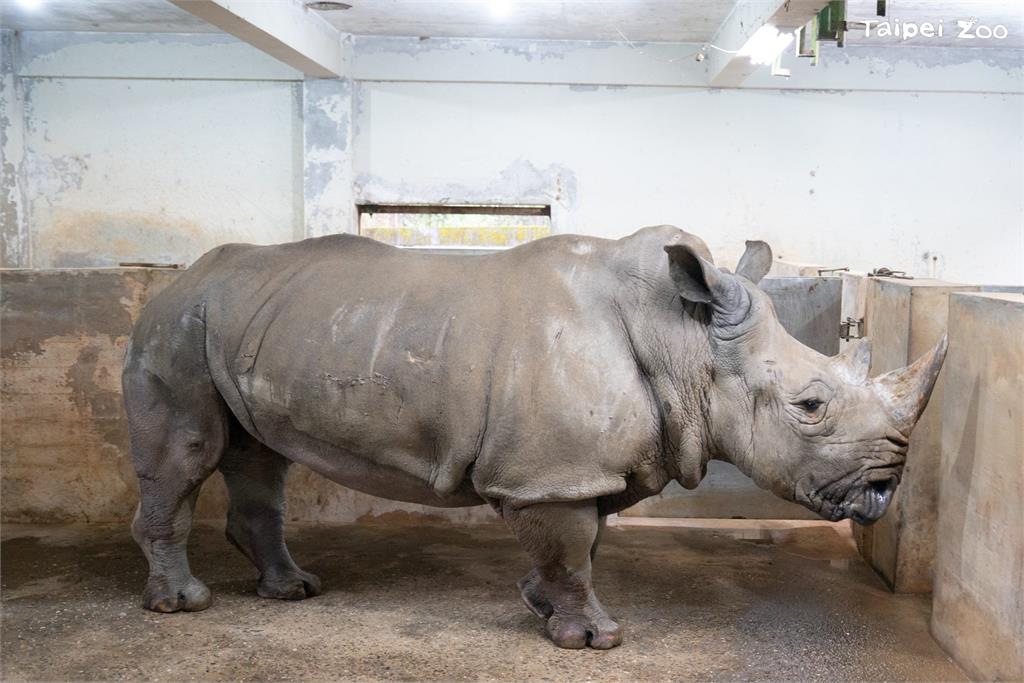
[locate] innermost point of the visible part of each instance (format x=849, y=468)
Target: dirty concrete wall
x=64, y=440
x=978, y=606
x=914, y=180
x=145, y=149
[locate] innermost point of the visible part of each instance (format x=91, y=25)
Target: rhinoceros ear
x=756, y=261
x=694, y=277
x=698, y=280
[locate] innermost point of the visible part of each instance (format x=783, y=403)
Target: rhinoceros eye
x=810, y=405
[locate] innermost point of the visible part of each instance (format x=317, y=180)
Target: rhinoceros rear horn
x=906, y=391
x=699, y=281
x=756, y=261
x=854, y=361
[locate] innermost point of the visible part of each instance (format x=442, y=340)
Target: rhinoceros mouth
x=871, y=501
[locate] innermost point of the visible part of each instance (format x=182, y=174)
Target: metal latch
x=851, y=328
x=889, y=272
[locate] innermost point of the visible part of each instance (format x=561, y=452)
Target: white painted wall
x=906, y=176
x=142, y=167
x=157, y=170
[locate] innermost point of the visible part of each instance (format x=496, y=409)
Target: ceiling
x=637, y=20
x=688, y=21
x=685, y=21
x=149, y=16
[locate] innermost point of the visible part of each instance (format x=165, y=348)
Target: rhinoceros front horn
x=906, y=391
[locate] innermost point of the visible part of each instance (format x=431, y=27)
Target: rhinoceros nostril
x=897, y=440
x=880, y=487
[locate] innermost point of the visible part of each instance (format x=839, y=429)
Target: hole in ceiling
x=325, y=6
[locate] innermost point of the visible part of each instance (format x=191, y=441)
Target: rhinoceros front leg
x=255, y=477
x=530, y=585
x=560, y=539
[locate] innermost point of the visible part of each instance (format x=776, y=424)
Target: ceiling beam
x=727, y=70
x=287, y=30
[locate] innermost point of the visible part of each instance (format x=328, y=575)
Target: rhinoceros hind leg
x=177, y=437
x=255, y=477
x=560, y=537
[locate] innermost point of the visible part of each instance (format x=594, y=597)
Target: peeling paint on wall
x=14, y=239
x=1007, y=60
x=327, y=137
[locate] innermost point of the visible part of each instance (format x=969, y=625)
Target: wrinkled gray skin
x=559, y=381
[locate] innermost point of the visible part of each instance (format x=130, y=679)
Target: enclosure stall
x=877, y=148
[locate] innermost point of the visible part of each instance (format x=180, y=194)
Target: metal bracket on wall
x=889, y=272
x=851, y=328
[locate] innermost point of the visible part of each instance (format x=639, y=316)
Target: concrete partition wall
x=904, y=319
x=978, y=606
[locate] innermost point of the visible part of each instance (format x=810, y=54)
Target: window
x=446, y=228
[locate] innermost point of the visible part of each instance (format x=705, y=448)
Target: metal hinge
x=826, y=271
x=851, y=328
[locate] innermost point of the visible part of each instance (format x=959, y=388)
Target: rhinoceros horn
x=906, y=391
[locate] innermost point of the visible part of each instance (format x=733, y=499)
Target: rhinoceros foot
x=291, y=584
x=574, y=627
x=576, y=631
x=162, y=594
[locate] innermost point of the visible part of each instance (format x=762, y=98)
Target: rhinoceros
x=559, y=381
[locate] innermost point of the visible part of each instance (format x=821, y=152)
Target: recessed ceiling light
x=30, y=4
x=325, y=6
x=500, y=8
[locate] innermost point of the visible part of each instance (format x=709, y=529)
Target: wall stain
x=78, y=239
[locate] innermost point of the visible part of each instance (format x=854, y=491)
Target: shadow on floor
x=439, y=603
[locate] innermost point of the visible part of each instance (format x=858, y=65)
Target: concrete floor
x=439, y=603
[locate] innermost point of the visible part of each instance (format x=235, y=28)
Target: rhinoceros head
x=813, y=429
